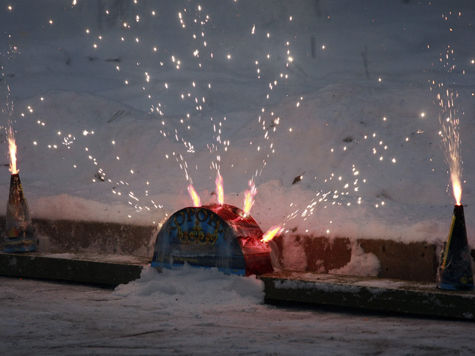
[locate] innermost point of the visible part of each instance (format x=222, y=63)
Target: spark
x=194, y=196
x=451, y=142
x=271, y=233
x=249, y=198
x=219, y=188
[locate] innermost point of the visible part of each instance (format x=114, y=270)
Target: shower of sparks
x=12, y=150
x=249, y=198
x=194, y=196
x=338, y=189
x=219, y=188
x=449, y=119
x=450, y=135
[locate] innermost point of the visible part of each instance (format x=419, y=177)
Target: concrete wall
x=415, y=261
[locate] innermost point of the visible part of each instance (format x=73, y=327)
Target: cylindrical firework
x=19, y=231
x=455, y=269
x=218, y=235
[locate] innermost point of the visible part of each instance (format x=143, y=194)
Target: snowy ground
x=203, y=312
x=112, y=100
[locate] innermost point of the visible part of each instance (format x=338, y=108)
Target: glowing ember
x=249, y=198
x=194, y=196
x=271, y=233
x=12, y=149
x=219, y=189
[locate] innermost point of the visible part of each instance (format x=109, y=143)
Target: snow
x=209, y=313
x=105, y=134
x=361, y=263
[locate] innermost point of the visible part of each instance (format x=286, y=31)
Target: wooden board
x=385, y=295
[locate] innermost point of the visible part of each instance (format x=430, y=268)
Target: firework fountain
x=218, y=235
x=455, y=269
x=20, y=234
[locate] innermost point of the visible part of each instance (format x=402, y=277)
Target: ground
x=145, y=317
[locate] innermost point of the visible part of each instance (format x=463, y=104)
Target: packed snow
x=209, y=314
x=330, y=107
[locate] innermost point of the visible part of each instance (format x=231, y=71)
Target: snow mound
x=192, y=289
x=361, y=264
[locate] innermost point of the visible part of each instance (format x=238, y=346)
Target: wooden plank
x=73, y=268
x=384, y=295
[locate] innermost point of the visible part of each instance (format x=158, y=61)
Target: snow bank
x=361, y=264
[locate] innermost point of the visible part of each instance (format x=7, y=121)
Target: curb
x=382, y=295
x=74, y=268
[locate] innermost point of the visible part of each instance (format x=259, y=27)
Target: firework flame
x=450, y=134
x=194, y=196
x=12, y=149
x=271, y=233
x=249, y=198
x=219, y=188
x=457, y=189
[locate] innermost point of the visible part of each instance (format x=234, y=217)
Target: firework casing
x=19, y=231
x=455, y=269
x=213, y=236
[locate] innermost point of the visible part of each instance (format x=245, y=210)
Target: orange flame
x=219, y=188
x=194, y=196
x=12, y=149
x=271, y=233
x=457, y=188
x=249, y=198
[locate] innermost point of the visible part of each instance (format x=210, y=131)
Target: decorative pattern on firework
x=219, y=236
x=455, y=270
